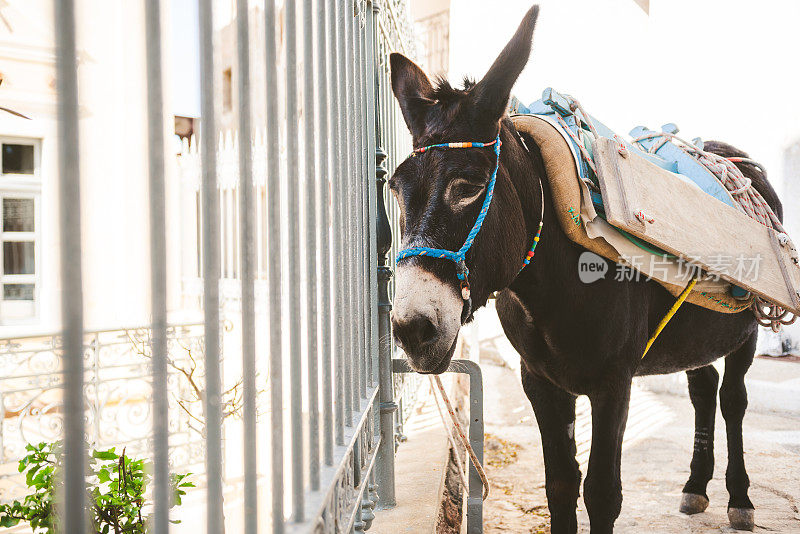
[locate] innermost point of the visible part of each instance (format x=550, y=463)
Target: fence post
x=385, y=465
x=72, y=494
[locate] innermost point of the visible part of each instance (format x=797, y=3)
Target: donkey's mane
x=444, y=92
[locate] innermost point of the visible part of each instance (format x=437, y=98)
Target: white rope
x=737, y=184
x=463, y=437
x=459, y=464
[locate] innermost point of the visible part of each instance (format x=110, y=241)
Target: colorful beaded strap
x=458, y=257
x=532, y=251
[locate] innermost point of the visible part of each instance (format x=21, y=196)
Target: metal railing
x=332, y=407
x=117, y=390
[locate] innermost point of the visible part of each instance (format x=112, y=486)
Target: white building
x=432, y=26
x=115, y=235
x=113, y=164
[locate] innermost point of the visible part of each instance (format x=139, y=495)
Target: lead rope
x=464, y=441
x=459, y=463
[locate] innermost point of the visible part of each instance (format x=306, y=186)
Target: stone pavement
x=420, y=465
x=656, y=457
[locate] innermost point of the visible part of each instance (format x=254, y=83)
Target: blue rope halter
x=462, y=272
x=459, y=257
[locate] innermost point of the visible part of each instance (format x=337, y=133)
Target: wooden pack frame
x=581, y=224
x=686, y=222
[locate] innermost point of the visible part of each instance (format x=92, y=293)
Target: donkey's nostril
x=414, y=333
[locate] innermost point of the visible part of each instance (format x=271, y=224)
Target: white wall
x=28, y=65
x=113, y=153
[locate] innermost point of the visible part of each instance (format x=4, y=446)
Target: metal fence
x=117, y=386
x=332, y=407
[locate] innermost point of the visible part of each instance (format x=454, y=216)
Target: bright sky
x=185, y=60
x=719, y=69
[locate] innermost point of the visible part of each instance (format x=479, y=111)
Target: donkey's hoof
x=742, y=518
x=691, y=503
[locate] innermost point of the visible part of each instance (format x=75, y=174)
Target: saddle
x=655, y=210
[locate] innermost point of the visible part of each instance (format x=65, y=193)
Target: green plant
x=116, y=488
x=37, y=509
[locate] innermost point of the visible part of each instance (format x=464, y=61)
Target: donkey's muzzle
x=415, y=334
x=426, y=318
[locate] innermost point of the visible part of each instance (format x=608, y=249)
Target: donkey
x=573, y=338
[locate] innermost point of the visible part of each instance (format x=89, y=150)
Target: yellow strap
x=672, y=311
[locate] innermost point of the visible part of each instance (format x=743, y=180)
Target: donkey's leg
x=733, y=401
x=703, y=384
x=555, y=414
x=602, y=490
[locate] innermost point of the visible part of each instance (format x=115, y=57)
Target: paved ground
x=655, y=464
x=420, y=463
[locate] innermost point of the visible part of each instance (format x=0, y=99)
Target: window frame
x=22, y=186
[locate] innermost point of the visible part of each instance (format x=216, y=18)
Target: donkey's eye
x=462, y=192
x=463, y=189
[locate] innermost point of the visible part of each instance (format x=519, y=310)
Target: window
x=17, y=158
x=20, y=192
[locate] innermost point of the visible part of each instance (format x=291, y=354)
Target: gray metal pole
x=274, y=267
x=324, y=107
x=372, y=260
x=372, y=254
x=366, y=223
x=293, y=253
x=211, y=274
x=355, y=195
x=158, y=267
x=247, y=260
x=73, y=496
x=312, y=250
x=347, y=271
x=361, y=180
x=476, y=430
x=385, y=465
x=337, y=92
x=356, y=279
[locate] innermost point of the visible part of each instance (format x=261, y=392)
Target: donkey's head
x=441, y=193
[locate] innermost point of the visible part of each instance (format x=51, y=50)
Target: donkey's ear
x=491, y=94
x=413, y=90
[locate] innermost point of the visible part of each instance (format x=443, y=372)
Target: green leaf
x=105, y=455
x=8, y=522
x=103, y=476
x=23, y=464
